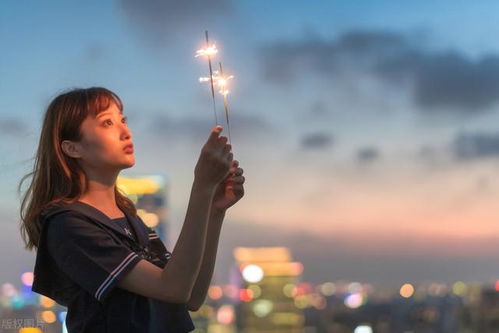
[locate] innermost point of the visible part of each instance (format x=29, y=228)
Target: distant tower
x=268, y=280
x=148, y=193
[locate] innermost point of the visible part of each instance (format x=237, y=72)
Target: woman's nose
x=126, y=132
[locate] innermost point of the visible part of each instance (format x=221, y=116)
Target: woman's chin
x=128, y=164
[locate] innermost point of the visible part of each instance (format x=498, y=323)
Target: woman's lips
x=128, y=149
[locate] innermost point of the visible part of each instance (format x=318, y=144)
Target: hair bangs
x=100, y=99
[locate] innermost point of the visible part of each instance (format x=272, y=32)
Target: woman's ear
x=71, y=149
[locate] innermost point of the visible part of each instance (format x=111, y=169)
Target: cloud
x=467, y=146
x=438, y=80
x=94, y=52
x=320, y=109
x=159, y=21
x=248, y=125
x=452, y=80
x=367, y=154
x=13, y=127
x=283, y=59
x=243, y=125
x=317, y=140
x=429, y=154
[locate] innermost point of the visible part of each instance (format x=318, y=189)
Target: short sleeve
x=88, y=254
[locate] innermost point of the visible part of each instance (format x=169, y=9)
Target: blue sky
x=356, y=122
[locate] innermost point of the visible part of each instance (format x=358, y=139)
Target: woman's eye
x=125, y=119
x=107, y=121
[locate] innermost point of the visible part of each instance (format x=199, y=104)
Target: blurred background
x=367, y=131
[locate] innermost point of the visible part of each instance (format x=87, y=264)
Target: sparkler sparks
x=221, y=82
x=208, y=52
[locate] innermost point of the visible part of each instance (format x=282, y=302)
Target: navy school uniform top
x=81, y=256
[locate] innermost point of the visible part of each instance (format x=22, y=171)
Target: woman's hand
x=230, y=190
x=215, y=160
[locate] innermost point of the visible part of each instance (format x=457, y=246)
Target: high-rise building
x=149, y=194
x=268, y=285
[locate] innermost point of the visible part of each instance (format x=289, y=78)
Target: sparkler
x=216, y=78
x=209, y=51
x=222, y=83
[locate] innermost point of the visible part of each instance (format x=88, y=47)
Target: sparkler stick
x=208, y=51
x=211, y=79
x=222, y=81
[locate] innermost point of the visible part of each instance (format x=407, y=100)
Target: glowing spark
x=222, y=83
x=209, y=51
x=219, y=81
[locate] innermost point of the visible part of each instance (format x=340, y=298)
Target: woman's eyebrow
x=107, y=112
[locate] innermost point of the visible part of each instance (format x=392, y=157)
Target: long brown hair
x=56, y=177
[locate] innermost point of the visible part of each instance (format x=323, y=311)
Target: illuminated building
x=488, y=311
x=148, y=193
x=268, y=290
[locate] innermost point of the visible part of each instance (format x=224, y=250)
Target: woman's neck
x=102, y=196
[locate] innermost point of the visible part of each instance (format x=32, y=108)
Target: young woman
x=94, y=254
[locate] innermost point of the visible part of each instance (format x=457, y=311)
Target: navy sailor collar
x=101, y=218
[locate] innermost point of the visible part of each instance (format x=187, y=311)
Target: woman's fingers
x=227, y=148
x=238, y=190
x=234, y=165
x=237, y=179
x=236, y=171
x=214, y=135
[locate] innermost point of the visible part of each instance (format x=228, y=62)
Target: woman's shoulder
x=65, y=220
x=54, y=214
x=58, y=208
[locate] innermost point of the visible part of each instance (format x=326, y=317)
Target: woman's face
x=104, y=140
